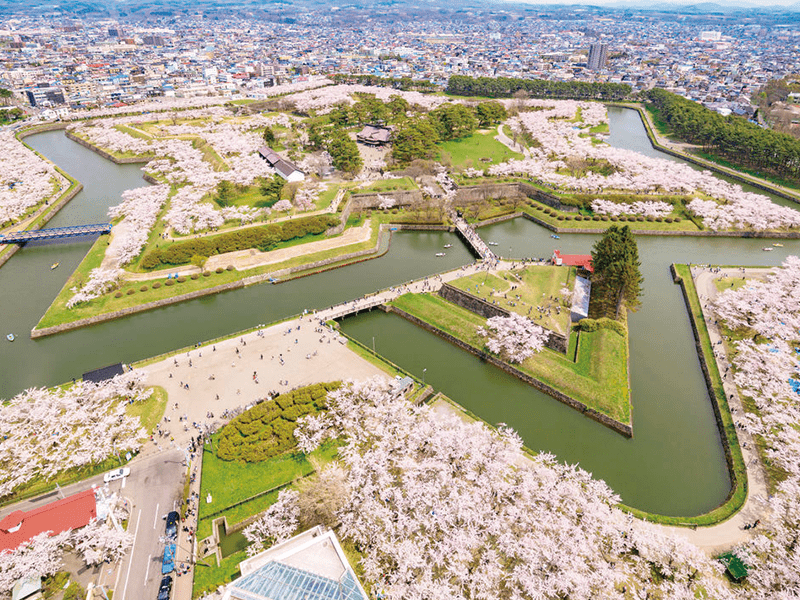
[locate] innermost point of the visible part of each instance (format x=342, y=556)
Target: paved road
x=154, y=487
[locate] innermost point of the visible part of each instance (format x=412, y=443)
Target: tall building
x=598, y=54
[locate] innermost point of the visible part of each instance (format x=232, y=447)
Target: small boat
x=440, y=254
x=493, y=244
x=54, y=266
x=778, y=245
x=10, y=337
x=555, y=237
x=448, y=245
x=768, y=249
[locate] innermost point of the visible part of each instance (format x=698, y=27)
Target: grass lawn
x=133, y=132
x=387, y=185
x=536, y=285
x=478, y=151
x=729, y=283
x=58, y=314
x=326, y=196
x=208, y=578
x=599, y=377
x=537, y=210
x=149, y=411
x=230, y=482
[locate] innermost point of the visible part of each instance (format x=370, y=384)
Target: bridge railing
x=55, y=233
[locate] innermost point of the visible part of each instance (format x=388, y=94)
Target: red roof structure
x=72, y=512
x=573, y=260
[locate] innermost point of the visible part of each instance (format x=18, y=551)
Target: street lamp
x=423, y=377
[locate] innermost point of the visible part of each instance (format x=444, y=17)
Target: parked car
x=172, y=524
x=165, y=588
x=168, y=560
x=116, y=474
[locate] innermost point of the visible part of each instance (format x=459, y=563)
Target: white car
x=116, y=474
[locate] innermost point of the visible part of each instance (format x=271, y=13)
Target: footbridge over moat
x=55, y=233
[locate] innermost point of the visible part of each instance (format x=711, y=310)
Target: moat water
x=673, y=465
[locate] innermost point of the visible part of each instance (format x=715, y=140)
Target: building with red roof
x=72, y=512
x=583, y=261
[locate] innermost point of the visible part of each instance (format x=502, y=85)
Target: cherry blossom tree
x=26, y=180
x=278, y=524
x=48, y=431
x=515, y=338
x=282, y=205
x=40, y=556
x=445, y=508
x=767, y=370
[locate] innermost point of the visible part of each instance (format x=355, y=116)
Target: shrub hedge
x=603, y=323
x=267, y=429
x=264, y=237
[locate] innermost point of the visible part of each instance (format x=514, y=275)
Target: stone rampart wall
x=621, y=428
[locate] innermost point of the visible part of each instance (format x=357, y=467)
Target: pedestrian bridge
x=55, y=233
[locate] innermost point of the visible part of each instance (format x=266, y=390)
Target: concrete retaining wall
x=621, y=428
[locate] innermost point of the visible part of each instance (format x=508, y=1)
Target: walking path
x=249, y=259
x=509, y=143
x=472, y=238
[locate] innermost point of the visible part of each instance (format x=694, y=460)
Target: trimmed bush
x=267, y=429
x=604, y=218
x=579, y=218
x=651, y=218
x=195, y=276
x=169, y=282
x=144, y=288
x=156, y=285
x=219, y=270
x=596, y=218
x=590, y=325
x=229, y=268
x=678, y=219
x=669, y=219
x=560, y=217
x=117, y=294
x=640, y=219
x=263, y=237
x=181, y=279
x=206, y=273
x=130, y=292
